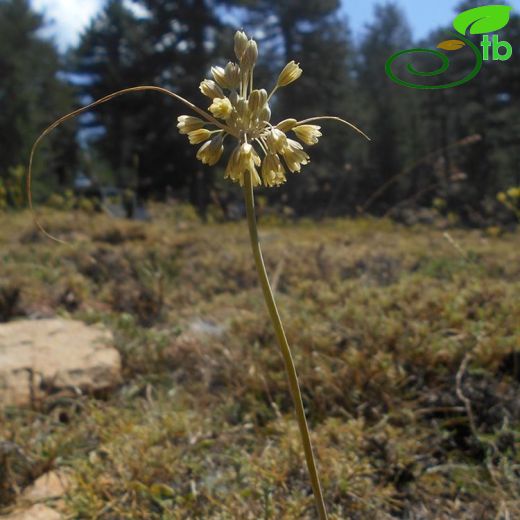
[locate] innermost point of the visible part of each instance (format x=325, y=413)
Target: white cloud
x=67, y=18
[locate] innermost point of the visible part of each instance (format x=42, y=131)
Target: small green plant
x=65, y=202
x=262, y=152
x=511, y=200
x=11, y=192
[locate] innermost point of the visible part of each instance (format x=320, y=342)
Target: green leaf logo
x=482, y=20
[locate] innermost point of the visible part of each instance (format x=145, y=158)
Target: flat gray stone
x=38, y=355
x=36, y=512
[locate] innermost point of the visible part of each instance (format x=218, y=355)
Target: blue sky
x=71, y=16
x=422, y=15
x=68, y=17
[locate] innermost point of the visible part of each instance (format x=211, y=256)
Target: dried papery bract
x=261, y=154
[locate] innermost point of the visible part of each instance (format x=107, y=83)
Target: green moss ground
x=381, y=320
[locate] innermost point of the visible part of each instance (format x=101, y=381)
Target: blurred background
x=445, y=153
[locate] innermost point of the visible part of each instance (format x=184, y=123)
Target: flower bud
x=241, y=107
x=265, y=114
x=232, y=171
x=286, y=125
x=257, y=100
x=290, y=73
x=220, y=76
x=210, y=89
x=232, y=75
x=250, y=55
x=234, y=97
x=240, y=44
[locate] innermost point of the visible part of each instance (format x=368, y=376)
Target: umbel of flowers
x=243, y=116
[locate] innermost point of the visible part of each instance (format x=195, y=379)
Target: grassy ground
x=407, y=347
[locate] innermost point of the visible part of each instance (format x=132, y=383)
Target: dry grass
x=380, y=319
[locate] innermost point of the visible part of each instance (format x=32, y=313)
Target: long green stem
x=284, y=346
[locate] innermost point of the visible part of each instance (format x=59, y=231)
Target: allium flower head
x=242, y=113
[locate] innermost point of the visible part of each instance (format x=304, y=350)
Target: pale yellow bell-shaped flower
x=221, y=108
x=308, y=134
x=199, y=136
x=290, y=73
x=211, y=151
x=210, y=89
x=187, y=124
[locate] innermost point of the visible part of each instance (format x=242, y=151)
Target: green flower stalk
x=261, y=155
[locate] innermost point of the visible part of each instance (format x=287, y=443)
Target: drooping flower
x=308, y=134
x=294, y=156
x=273, y=173
x=244, y=158
x=187, y=124
x=199, y=136
x=211, y=151
x=210, y=89
x=276, y=141
x=242, y=112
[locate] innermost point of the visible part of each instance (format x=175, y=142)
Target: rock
x=51, y=485
x=37, y=356
x=49, y=489
x=200, y=326
x=36, y=512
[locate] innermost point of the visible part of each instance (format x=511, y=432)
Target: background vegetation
x=389, y=326
x=457, y=146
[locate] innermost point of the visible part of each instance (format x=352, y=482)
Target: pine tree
x=168, y=45
x=108, y=58
x=33, y=94
x=183, y=38
x=389, y=110
x=483, y=107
